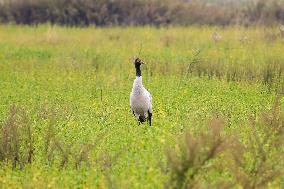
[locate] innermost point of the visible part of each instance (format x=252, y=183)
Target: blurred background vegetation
x=142, y=12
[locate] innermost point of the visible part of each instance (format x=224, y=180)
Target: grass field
x=65, y=117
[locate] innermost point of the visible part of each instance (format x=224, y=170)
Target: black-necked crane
x=140, y=98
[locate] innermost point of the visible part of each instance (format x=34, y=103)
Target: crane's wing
x=150, y=112
x=150, y=97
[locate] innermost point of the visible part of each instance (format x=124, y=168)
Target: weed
x=258, y=160
x=16, y=138
x=195, y=154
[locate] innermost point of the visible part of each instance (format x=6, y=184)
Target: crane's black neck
x=138, y=70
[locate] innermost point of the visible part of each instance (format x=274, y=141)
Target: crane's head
x=138, y=62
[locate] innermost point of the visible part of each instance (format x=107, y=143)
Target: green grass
x=79, y=81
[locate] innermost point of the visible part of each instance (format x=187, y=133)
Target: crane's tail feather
x=142, y=119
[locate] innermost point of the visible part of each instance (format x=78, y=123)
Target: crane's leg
x=150, y=118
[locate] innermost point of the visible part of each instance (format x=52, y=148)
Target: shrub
x=138, y=12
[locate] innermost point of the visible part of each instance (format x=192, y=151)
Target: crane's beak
x=142, y=62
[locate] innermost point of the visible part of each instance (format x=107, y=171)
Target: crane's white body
x=140, y=100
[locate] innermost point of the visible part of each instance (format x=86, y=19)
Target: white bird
x=281, y=28
x=140, y=98
x=216, y=37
